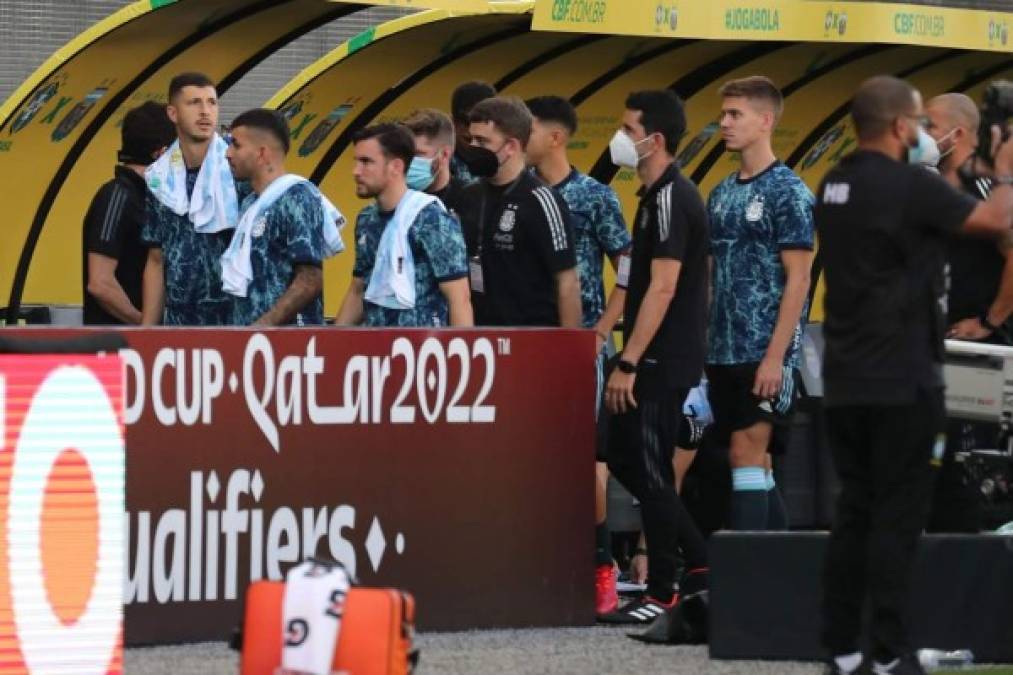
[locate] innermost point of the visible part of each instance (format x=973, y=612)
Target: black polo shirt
x=671, y=223
x=452, y=195
x=112, y=227
x=523, y=236
x=883, y=228
x=976, y=266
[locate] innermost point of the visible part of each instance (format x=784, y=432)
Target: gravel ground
x=560, y=650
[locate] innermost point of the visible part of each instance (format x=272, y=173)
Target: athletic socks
x=602, y=545
x=749, y=498
x=777, y=514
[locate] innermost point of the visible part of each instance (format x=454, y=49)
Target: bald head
x=956, y=110
x=878, y=103
x=953, y=122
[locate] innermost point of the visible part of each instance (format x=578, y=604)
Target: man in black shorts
x=762, y=249
x=663, y=324
x=522, y=251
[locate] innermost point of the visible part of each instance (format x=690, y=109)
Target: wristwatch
x=986, y=323
x=625, y=366
x=1002, y=180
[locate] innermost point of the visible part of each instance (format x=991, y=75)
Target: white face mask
x=623, y=150
x=943, y=155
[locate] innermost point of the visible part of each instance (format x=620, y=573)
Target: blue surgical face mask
x=420, y=173
x=926, y=152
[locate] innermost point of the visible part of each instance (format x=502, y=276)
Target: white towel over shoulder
x=312, y=608
x=237, y=270
x=214, y=205
x=392, y=283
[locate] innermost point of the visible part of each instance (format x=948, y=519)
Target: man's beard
x=365, y=192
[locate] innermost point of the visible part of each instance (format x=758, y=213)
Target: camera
x=996, y=110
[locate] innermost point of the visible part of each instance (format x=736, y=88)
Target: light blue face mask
x=926, y=153
x=420, y=173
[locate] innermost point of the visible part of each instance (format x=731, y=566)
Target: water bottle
x=932, y=659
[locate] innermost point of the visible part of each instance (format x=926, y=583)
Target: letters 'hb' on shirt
x=671, y=223
x=526, y=239
x=437, y=247
x=883, y=227
x=752, y=221
x=192, y=264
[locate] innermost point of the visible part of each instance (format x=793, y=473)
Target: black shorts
x=736, y=408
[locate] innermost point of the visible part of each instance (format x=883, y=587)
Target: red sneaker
x=606, y=599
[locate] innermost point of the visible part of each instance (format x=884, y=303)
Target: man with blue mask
x=434, y=147
x=980, y=290
x=979, y=299
x=411, y=265
x=883, y=226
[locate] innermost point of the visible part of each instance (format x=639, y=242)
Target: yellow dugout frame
x=593, y=51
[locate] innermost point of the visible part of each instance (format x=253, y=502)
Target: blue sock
x=749, y=498
x=777, y=514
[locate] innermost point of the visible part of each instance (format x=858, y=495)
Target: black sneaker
x=684, y=624
x=643, y=610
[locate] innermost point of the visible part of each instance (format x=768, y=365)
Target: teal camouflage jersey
x=192, y=264
x=751, y=222
x=460, y=170
x=289, y=233
x=437, y=246
x=600, y=230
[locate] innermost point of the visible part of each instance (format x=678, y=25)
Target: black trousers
x=641, y=444
x=883, y=457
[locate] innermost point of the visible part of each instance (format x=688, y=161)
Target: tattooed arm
x=307, y=284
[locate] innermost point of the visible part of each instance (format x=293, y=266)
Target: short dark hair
x=466, y=97
x=554, y=109
x=878, y=102
x=146, y=129
x=433, y=124
x=755, y=88
x=396, y=141
x=188, y=80
x=508, y=114
x=269, y=121
x=661, y=112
